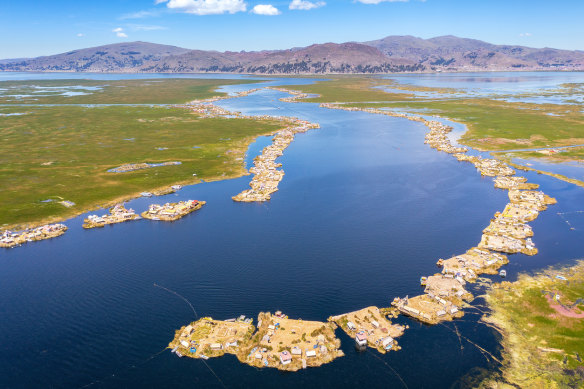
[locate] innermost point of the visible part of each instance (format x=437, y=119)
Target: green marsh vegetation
x=153, y=91
x=493, y=124
x=64, y=152
x=541, y=347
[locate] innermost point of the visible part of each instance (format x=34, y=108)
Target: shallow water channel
x=364, y=210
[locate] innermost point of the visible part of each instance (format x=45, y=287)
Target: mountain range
x=388, y=55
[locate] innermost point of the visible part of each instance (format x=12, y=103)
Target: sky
x=42, y=27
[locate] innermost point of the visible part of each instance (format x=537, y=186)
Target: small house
x=374, y=324
x=351, y=326
x=285, y=357
x=296, y=351
x=361, y=338
x=310, y=353
x=387, y=343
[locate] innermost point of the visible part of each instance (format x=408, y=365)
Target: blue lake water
x=364, y=210
x=570, y=169
x=494, y=84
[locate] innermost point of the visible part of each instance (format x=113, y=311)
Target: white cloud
x=381, y=1
x=80, y=35
x=139, y=15
x=120, y=32
x=142, y=27
x=525, y=34
x=206, y=7
x=265, y=9
x=305, y=5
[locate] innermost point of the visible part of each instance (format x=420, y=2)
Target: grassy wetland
x=59, y=147
x=494, y=124
x=541, y=319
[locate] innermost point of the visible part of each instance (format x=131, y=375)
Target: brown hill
x=390, y=54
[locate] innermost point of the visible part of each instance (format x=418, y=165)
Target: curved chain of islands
x=278, y=342
x=10, y=239
x=172, y=211
x=266, y=176
x=444, y=293
x=370, y=327
x=118, y=214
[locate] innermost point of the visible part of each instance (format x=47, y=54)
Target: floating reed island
x=370, y=328
x=9, y=239
x=277, y=342
x=208, y=338
x=118, y=214
x=172, y=211
x=266, y=176
x=519, y=183
x=296, y=95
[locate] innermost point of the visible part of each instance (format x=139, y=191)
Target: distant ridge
x=387, y=55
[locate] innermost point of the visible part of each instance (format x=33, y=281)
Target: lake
x=364, y=210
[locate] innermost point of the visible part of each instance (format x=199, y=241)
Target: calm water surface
x=364, y=210
x=527, y=87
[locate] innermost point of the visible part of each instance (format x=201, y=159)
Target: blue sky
x=33, y=28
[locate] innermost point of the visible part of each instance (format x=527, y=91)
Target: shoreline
x=164, y=188
x=536, y=355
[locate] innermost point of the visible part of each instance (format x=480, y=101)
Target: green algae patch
x=541, y=318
